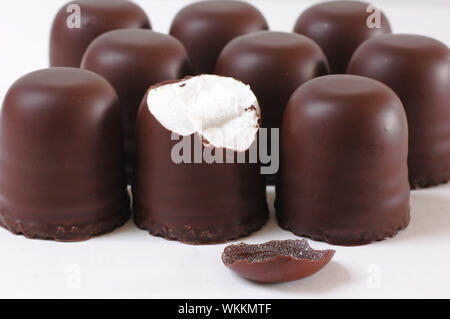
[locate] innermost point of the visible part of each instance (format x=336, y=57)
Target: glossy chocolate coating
x=62, y=172
x=132, y=60
x=274, y=64
x=205, y=27
x=276, y=260
x=67, y=45
x=196, y=203
x=417, y=68
x=339, y=27
x=344, y=175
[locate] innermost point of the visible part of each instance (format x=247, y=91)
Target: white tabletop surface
x=131, y=263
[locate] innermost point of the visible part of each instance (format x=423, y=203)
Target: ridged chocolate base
x=354, y=239
x=73, y=233
x=425, y=183
x=189, y=235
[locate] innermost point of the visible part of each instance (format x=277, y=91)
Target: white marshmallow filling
x=224, y=111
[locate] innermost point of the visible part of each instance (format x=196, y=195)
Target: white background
x=131, y=263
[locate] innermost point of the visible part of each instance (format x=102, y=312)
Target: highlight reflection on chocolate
x=197, y=202
x=274, y=64
x=417, y=68
x=68, y=41
x=344, y=176
x=205, y=27
x=62, y=173
x=132, y=60
x=339, y=27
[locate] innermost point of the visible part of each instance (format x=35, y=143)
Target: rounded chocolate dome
x=344, y=176
x=274, y=64
x=417, y=68
x=69, y=41
x=339, y=27
x=133, y=60
x=205, y=27
x=62, y=170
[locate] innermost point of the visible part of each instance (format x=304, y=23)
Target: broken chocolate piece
x=276, y=260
